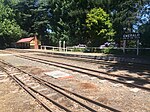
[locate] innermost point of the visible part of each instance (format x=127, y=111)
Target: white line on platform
x=5, y=54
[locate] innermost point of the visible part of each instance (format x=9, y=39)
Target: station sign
x=131, y=36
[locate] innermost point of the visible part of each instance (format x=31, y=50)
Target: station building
x=28, y=43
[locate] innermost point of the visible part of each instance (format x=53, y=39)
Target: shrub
x=107, y=50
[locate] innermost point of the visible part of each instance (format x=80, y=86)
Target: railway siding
x=97, y=56
x=114, y=95
x=26, y=81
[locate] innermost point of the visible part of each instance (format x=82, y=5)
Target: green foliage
x=9, y=28
x=75, y=21
x=92, y=50
x=143, y=24
x=107, y=50
x=145, y=38
x=9, y=31
x=78, y=49
x=100, y=26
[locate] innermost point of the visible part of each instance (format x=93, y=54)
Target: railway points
x=74, y=56
x=94, y=82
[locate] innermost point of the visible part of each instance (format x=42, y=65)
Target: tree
x=100, y=26
x=57, y=15
x=32, y=17
x=77, y=22
x=67, y=19
x=143, y=25
x=9, y=30
x=145, y=37
x=124, y=15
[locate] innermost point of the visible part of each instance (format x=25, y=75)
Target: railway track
x=102, y=63
x=109, y=66
x=101, y=60
x=52, y=97
x=93, y=73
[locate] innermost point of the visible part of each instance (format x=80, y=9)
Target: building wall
x=23, y=45
x=34, y=44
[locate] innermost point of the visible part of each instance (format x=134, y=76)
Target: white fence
x=49, y=47
x=53, y=48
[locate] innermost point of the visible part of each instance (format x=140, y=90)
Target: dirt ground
x=14, y=99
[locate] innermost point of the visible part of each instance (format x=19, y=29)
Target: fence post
x=137, y=47
x=124, y=46
x=60, y=45
x=44, y=47
x=64, y=45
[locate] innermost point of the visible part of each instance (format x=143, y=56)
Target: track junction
x=90, y=73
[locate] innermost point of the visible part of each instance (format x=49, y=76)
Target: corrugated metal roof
x=25, y=40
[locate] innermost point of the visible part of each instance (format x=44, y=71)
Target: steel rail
x=80, y=71
x=113, y=75
x=86, y=106
x=53, y=86
x=62, y=107
x=97, y=61
x=26, y=90
x=73, y=93
x=82, y=57
x=57, y=104
x=26, y=87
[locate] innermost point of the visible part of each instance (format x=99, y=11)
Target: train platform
x=99, y=56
